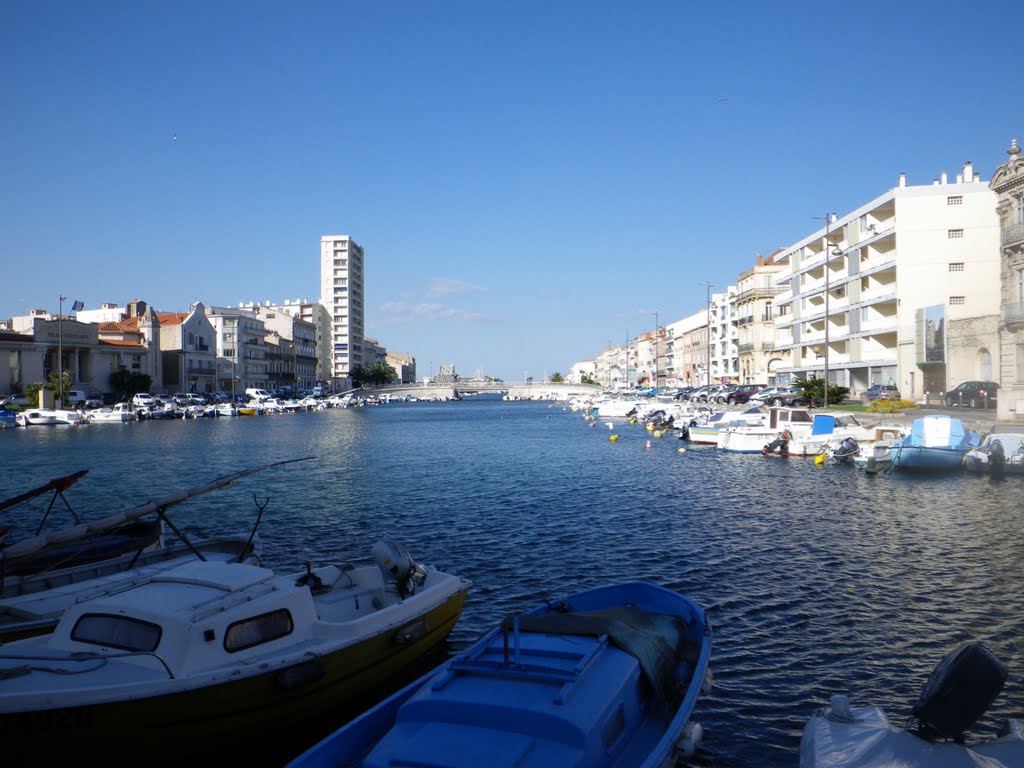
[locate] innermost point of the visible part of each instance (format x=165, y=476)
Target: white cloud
x=446, y=286
x=399, y=312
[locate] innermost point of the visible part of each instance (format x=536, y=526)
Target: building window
x=956, y=301
x=1020, y=363
x=955, y=200
x=1020, y=209
x=955, y=234
x=1020, y=285
x=956, y=266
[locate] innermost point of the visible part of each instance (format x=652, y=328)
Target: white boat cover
x=867, y=740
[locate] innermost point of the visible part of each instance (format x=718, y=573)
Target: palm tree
x=379, y=374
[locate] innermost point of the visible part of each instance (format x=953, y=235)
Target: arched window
x=986, y=364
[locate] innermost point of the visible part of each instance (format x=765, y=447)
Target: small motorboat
x=210, y=653
x=936, y=443
x=1001, y=452
x=955, y=697
x=119, y=413
x=33, y=417
x=605, y=677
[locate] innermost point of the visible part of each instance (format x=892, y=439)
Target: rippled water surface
x=818, y=580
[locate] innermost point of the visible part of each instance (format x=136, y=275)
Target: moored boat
x=936, y=443
x=34, y=417
x=956, y=695
x=119, y=413
x=1001, y=452
x=783, y=424
x=210, y=653
x=605, y=677
x=707, y=431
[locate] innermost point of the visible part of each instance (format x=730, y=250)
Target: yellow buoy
x=613, y=438
x=682, y=450
x=819, y=459
x=657, y=433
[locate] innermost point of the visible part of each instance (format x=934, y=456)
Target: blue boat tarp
x=940, y=431
x=824, y=424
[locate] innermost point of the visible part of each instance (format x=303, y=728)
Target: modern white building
x=685, y=348
x=725, y=335
x=341, y=294
x=910, y=277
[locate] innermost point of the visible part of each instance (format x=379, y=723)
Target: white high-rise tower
x=341, y=294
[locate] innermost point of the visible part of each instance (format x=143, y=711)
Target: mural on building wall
x=935, y=334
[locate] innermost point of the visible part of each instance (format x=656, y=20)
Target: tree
x=55, y=385
x=127, y=383
x=380, y=374
x=556, y=378
x=586, y=378
x=358, y=376
x=814, y=389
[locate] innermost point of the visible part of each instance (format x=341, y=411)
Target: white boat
x=618, y=408
x=33, y=417
x=210, y=653
x=226, y=409
x=783, y=424
x=69, y=416
x=1001, y=451
x=829, y=431
x=119, y=413
x=954, y=698
x=707, y=431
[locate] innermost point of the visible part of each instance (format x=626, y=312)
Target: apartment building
x=725, y=335
x=686, y=350
x=188, y=350
x=341, y=294
x=755, y=322
x=899, y=291
x=241, y=349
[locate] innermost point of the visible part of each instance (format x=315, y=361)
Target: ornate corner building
x=1008, y=184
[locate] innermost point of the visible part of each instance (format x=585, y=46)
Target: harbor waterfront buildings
x=921, y=288
x=291, y=345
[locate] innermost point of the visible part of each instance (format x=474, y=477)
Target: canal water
x=818, y=580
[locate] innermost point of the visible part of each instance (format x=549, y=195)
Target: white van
x=259, y=395
x=75, y=397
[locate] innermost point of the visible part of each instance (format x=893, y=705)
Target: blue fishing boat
x=605, y=677
x=936, y=443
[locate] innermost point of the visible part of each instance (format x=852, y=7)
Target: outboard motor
x=847, y=448
x=779, y=445
x=397, y=565
x=958, y=692
x=996, y=452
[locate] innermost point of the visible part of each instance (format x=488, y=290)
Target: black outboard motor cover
x=958, y=692
x=996, y=452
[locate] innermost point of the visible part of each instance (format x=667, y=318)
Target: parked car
x=75, y=397
x=143, y=400
x=93, y=400
x=743, y=393
x=882, y=392
x=722, y=396
x=785, y=396
x=19, y=400
x=973, y=394
x=765, y=394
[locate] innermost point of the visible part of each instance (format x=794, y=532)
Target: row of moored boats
x=933, y=443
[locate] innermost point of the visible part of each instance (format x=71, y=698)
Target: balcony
x=1013, y=315
x=1012, y=233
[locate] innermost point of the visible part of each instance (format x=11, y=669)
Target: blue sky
x=530, y=180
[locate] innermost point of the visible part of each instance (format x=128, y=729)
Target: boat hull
x=222, y=718
x=925, y=459
x=509, y=725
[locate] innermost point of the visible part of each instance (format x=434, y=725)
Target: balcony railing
x=1013, y=233
x=1013, y=314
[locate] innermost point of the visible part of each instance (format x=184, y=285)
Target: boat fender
x=690, y=739
x=301, y=674
x=682, y=450
x=997, y=454
x=613, y=438
x=707, y=683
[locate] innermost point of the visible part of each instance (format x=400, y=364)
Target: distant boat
x=936, y=443
x=605, y=677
